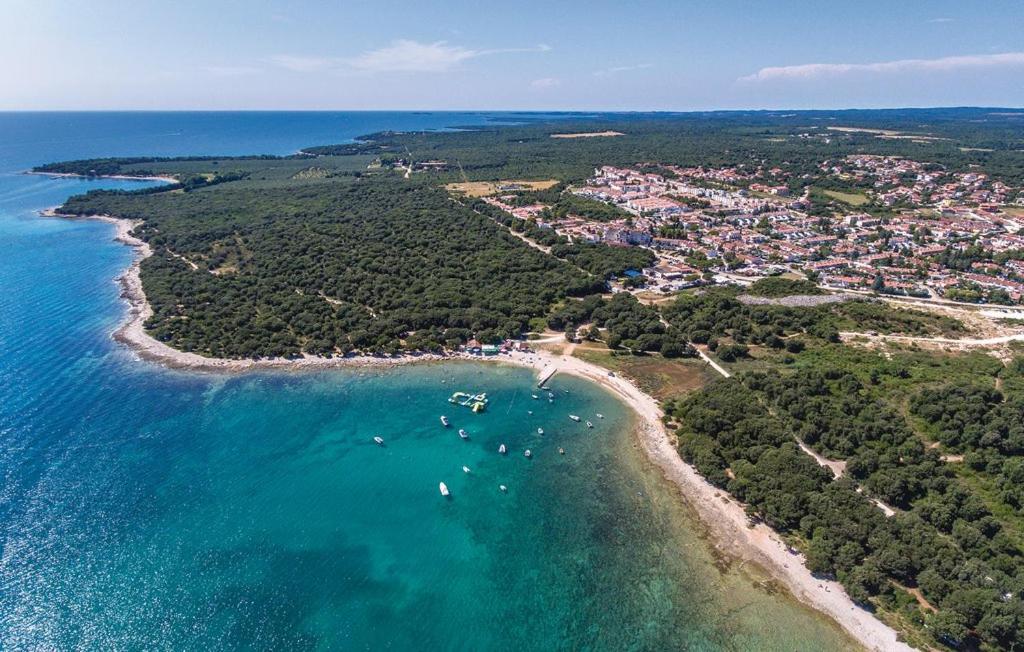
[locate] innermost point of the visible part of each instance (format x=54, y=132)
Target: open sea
x=148, y=509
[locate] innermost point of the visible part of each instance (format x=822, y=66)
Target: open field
x=590, y=134
x=864, y=130
x=888, y=134
x=657, y=376
x=851, y=198
x=485, y=188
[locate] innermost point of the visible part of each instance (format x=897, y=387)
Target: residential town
x=932, y=234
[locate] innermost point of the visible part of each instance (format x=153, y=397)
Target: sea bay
x=143, y=507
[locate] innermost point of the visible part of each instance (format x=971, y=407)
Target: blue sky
x=456, y=54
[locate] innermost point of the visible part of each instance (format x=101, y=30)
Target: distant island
x=845, y=282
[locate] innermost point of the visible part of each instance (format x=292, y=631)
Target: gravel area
x=797, y=300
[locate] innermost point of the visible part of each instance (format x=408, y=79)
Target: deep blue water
x=144, y=508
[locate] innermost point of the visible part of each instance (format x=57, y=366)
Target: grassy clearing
x=865, y=130
x=660, y=377
x=851, y=198
x=590, y=134
x=485, y=188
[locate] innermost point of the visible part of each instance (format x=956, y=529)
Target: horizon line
x=535, y=110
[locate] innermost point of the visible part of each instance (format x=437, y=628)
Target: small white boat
x=590, y=425
x=574, y=418
x=527, y=453
x=465, y=469
x=444, y=421
x=561, y=451
x=534, y=396
x=379, y=440
x=444, y=490
x=529, y=411
x=551, y=400
x=600, y=416
x=551, y=395
x=502, y=449
x=463, y=434
x=503, y=488
x=540, y=431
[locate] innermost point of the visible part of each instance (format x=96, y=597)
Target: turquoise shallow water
x=143, y=508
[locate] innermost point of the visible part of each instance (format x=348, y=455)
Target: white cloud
x=940, y=20
x=412, y=56
x=402, y=55
x=545, y=82
x=617, y=69
x=944, y=64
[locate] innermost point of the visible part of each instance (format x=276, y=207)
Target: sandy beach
x=123, y=177
x=724, y=518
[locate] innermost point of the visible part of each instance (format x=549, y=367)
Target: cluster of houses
x=704, y=222
x=896, y=180
x=475, y=347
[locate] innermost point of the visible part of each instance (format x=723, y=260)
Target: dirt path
x=838, y=467
x=714, y=365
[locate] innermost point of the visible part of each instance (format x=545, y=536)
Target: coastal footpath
x=725, y=519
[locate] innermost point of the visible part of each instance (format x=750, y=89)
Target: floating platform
x=475, y=402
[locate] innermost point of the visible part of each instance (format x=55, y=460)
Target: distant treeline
x=958, y=139
x=96, y=167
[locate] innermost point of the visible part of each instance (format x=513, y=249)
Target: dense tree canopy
x=741, y=434
x=251, y=270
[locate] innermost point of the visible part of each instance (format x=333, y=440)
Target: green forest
x=898, y=422
x=375, y=265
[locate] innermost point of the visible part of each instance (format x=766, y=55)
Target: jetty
x=545, y=374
